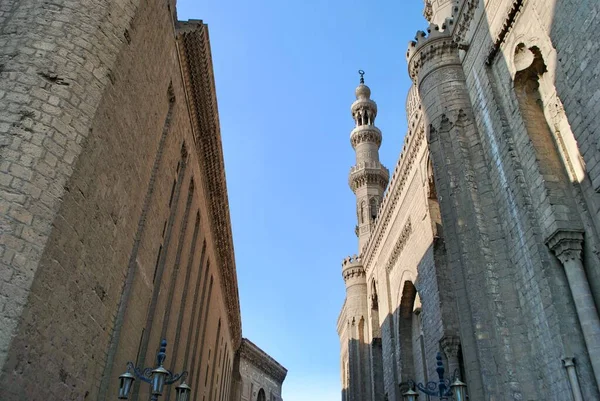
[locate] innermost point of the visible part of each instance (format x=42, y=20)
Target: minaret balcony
x=365, y=133
x=364, y=104
x=352, y=269
x=368, y=173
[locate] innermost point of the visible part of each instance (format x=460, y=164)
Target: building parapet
x=259, y=358
x=413, y=143
x=198, y=75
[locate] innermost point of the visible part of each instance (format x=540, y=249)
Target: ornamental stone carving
x=399, y=246
x=368, y=173
x=352, y=268
x=365, y=133
x=414, y=144
x=250, y=352
x=451, y=346
x=566, y=245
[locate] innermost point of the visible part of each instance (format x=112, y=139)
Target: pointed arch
x=373, y=207
x=405, y=331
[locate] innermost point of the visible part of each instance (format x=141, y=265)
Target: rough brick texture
x=108, y=230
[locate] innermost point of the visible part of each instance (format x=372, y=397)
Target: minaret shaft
x=368, y=177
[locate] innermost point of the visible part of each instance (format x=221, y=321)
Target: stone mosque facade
x=482, y=245
x=115, y=230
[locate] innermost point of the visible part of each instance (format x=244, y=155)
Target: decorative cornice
x=413, y=105
x=427, y=46
x=259, y=358
x=566, y=244
x=428, y=10
x=355, y=272
x=437, y=47
x=363, y=104
x=400, y=244
x=352, y=267
x=365, y=133
x=413, y=144
x=463, y=19
x=506, y=27
x=196, y=63
x=368, y=173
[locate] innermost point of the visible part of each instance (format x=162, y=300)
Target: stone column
x=567, y=246
x=451, y=346
x=456, y=155
x=572, y=374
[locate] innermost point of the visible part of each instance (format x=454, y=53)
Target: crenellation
x=513, y=176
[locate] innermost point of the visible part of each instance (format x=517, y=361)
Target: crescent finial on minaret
x=362, y=76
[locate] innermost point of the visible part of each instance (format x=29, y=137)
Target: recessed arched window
x=261, y=395
x=363, y=207
x=373, y=206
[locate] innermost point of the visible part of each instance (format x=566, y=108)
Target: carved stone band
x=566, y=244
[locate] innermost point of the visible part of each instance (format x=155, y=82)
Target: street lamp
x=443, y=389
x=157, y=378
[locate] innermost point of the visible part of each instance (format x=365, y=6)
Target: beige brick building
x=484, y=245
x=114, y=218
x=260, y=377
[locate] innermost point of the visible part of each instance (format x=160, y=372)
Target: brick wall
x=108, y=242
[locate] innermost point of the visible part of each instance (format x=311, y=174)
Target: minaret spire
x=368, y=177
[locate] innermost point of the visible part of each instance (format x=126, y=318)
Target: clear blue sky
x=285, y=75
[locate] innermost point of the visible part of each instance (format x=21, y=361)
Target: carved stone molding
x=566, y=244
x=446, y=124
x=356, y=272
x=257, y=357
x=506, y=27
x=428, y=10
x=399, y=246
x=413, y=103
x=463, y=20
x=413, y=145
x=352, y=267
x=418, y=58
x=451, y=346
x=367, y=133
x=198, y=75
x=368, y=173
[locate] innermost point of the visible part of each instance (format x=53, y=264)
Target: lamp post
x=157, y=378
x=444, y=388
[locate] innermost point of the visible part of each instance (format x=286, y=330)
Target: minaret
x=368, y=178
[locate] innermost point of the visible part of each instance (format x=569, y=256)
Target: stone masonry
x=114, y=220
x=485, y=246
x=259, y=377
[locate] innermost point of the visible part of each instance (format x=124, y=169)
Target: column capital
x=566, y=244
x=450, y=345
x=568, y=361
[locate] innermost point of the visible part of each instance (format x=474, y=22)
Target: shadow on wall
x=511, y=130
x=404, y=347
x=519, y=196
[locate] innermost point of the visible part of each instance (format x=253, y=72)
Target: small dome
x=363, y=92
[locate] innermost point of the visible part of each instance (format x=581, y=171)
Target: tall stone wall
x=110, y=240
x=502, y=276
x=506, y=158
x=55, y=64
